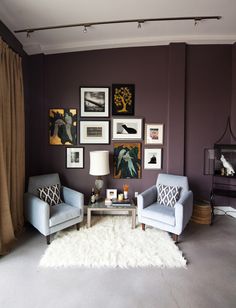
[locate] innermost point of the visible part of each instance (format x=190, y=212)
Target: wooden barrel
x=201, y=213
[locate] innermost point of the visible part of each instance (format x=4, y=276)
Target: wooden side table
x=201, y=213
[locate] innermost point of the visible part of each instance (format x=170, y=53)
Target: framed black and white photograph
x=154, y=134
x=94, y=102
x=94, y=132
x=111, y=194
x=127, y=129
x=152, y=158
x=74, y=158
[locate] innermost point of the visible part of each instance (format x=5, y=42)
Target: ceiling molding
x=135, y=42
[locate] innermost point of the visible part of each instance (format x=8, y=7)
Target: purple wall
x=188, y=88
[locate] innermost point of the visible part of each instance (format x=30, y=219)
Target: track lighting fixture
x=196, y=19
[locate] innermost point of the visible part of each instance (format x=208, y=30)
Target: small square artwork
x=127, y=161
x=74, y=158
x=62, y=126
x=94, y=102
x=123, y=99
x=154, y=134
x=152, y=158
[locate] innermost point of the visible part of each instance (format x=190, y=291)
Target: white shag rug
x=111, y=242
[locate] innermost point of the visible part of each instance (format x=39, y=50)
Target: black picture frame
x=123, y=99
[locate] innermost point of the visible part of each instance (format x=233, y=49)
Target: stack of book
x=125, y=202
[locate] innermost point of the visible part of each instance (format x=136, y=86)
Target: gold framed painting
x=127, y=161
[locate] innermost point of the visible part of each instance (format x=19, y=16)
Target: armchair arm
x=37, y=212
x=73, y=198
x=183, y=210
x=147, y=197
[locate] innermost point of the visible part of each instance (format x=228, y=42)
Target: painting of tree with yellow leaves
x=123, y=99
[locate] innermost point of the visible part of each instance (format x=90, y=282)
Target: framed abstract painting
x=62, y=126
x=152, y=158
x=127, y=161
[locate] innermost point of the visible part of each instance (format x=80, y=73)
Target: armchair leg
x=143, y=227
x=175, y=238
x=48, y=239
x=77, y=226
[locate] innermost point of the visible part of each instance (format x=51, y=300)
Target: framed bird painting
x=127, y=161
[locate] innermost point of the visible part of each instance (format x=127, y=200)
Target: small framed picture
x=154, y=134
x=75, y=158
x=94, y=132
x=123, y=99
x=123, y=129
x=152, y=158
x=111, y=194
x=94, y=102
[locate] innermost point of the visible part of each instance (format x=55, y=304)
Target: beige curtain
x=12, y=146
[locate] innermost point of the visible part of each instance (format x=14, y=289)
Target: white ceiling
x=31, y=13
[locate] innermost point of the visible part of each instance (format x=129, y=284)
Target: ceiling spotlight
x=139, y=25
x=85, y=29
x=28, y=34
x=196, y=21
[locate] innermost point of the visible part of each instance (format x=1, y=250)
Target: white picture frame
x=94, y=132
x=75, y=158
x=111, y=194
x=94, y=102
x=154, y=133
x=152, y=158
x=127, y=129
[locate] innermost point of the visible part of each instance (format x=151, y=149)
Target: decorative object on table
x=201, y=213
x=108, y=202
x=127, y=161
x=152, y=158
x=93, y=197
x=94, y=102
x=139, y=249
x=154, y=133
x=125, y=190
x=75, y=158
x=122, y=202
x=127, y=129
x=120, y=197
x=169, y=218
x=111, y=194
x=94, y=132
x=62, y=126
x=99, y=166
x=123, y=97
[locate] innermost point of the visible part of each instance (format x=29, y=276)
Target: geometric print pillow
x=168, y=195
x=50, y=194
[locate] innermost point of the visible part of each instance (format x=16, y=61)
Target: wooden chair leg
x=143, y=227
x=175, y=238
x=77, y=226
x=48, y=239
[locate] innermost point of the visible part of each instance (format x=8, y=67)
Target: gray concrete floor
x=209, y=281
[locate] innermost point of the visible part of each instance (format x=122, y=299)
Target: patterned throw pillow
x=50, y=194
x=168, y=195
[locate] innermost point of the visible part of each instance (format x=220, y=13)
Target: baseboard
x=225, y=210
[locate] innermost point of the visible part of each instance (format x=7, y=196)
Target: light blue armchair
x=171, y=219
x=50, y=219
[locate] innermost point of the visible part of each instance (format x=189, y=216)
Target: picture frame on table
x=123, y=99
x=154, y=133
x=111, y=194
x=94, y=102
x=75, y=158
x=127, y=160
x=153, y=158
x=127, y=128
x=62, y=126
x=95, y=132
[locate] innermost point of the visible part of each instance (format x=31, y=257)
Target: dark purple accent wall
x=187, y=88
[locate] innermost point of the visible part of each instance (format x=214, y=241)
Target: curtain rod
x=139, y=21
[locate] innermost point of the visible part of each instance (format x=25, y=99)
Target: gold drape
x=12, y=146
